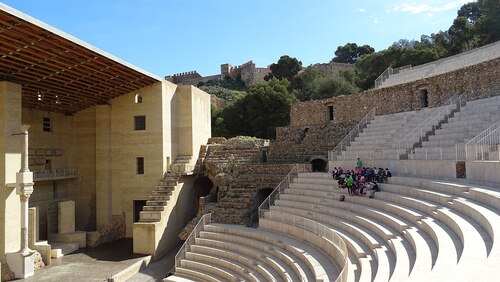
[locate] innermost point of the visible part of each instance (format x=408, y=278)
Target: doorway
x=138, y=206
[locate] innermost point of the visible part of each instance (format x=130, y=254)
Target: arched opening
x=318, y=165
x=203, y=186
x=138, y=98
x=423, y=98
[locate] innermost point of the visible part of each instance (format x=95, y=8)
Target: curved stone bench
x=230, y=266
x=267, y=273
x=272, y=264
x=281, y=259
x=324, y=259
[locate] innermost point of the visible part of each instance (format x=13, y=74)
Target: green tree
x=350, y=52
x=286, y=68
x=265, y=107
x=488, y=24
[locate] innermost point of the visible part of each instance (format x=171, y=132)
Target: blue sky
x=171, y=36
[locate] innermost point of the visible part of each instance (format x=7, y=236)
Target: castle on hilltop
x=248, y=73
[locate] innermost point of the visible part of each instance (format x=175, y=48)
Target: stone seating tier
x=415, y=229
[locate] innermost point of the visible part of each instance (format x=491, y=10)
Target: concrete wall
x=421, y=168
x=10, y=163
x=484, y=172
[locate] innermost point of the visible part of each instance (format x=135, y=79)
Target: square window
x=140, y=165
x=140, y=123
x=47, y=126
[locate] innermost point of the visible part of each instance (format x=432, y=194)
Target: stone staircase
x=159, y=199
x=182, y=165
x=415, y=229
x=377, y=139
x=476, y=116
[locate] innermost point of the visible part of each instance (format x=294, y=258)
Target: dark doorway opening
x=260, y=197
x=330, y=113
x=138, y=205
x=424, y=98
x=318, y=165
x=203, y=186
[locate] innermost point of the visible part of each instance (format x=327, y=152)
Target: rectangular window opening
x=140, y=165
x=330, y=112
x=47, y=126
x=140, y=123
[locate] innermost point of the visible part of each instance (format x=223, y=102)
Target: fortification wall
x=333, y=67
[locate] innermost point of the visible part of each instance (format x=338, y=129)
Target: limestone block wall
x=128, y=144
x=191, y=120
x=10, y=163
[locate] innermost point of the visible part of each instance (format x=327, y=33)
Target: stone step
x=235, y=267
x=261, y=267
x=156, y=203
x=153, y=208
x=60, y=249
x=285, y=263
x=211, y=269
x=194, y=275
x=149, y=216
x=323, y=265
x=266, y=257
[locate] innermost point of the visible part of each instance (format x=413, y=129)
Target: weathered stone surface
x=479, y=80
x=38, y=261
x=113, y=231
x=7, y=274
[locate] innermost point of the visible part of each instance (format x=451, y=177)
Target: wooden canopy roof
x=58, y=72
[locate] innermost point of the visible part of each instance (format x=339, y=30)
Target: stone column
x=22, y=262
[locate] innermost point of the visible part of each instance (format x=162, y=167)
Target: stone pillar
x=103, y=166
x=22, y=262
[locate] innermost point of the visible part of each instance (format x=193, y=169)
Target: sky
x=165, y=37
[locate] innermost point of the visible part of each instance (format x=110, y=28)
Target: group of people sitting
x=360, y=180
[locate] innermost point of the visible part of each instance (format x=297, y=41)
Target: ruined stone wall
x=481, y=80
x=333, y=67
x=237, y=172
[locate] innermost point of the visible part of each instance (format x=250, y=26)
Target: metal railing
x=337, y=151
x=285, y=183
x=444, y=65
x=483, y=147
x=387, y=73
x=318, y=229
x=186, y=247
x=58, y=173
x=421, y=132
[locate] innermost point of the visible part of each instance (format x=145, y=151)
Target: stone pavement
x=89, y=264
x=157, y=270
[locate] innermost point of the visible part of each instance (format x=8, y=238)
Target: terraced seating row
x=236, y=253
x=376, y=140
x=415, y=229
x=432, y=228
x=473, y=118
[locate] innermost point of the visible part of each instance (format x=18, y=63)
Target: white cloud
x=429, y=7
x=360, y=10
x=376, y=21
